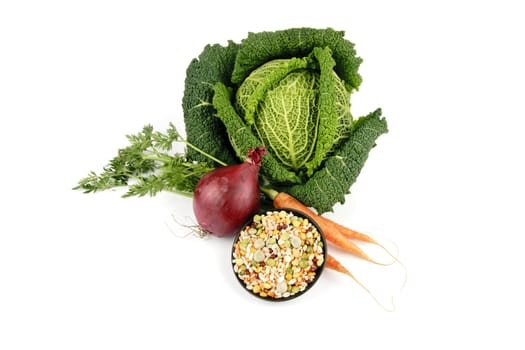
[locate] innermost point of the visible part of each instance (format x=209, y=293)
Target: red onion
x=226, y=197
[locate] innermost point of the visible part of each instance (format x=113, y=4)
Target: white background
x=102, y=272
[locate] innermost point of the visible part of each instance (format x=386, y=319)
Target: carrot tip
x=334, y=264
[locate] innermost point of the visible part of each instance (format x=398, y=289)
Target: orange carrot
x=334, y=264
x=284, y=200
x=353, y=234
x=339, y=240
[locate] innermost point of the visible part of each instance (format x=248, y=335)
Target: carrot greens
x=147, y=166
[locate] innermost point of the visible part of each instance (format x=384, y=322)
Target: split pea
x=258, y=256
x=259, y=243
x=296, y=242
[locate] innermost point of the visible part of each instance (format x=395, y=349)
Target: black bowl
x=280, y=260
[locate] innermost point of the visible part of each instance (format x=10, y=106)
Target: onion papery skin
x=226, y=197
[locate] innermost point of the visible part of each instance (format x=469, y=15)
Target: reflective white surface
x=101, y=272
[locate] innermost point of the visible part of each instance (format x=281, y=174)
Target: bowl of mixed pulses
x=279, y=254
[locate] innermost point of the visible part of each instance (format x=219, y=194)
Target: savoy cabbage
x=288, y=90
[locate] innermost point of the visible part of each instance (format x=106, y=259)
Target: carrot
x=334, y=264
x=284, y=200
x=330, y=229
x=349, y=233
x=339, y=240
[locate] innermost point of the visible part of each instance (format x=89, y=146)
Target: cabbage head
x=290, y=91
x=286, y=116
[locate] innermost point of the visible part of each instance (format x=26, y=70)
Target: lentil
x=278, y=254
